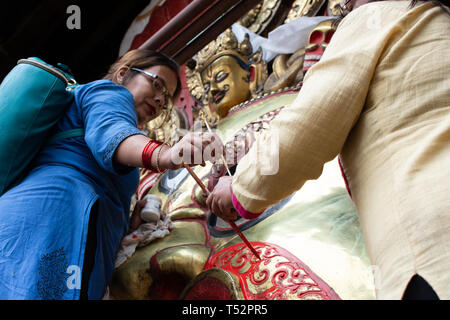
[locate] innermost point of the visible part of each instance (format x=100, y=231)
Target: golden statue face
x=226, y=84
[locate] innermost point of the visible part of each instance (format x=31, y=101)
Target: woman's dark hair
x=142, y=59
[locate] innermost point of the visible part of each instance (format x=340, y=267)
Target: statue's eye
x=221, y=75
x=206, y=87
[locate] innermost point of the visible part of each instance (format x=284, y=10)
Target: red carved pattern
x=147, y=181
x=278, y=275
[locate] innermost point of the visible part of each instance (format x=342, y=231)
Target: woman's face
x=149, y=99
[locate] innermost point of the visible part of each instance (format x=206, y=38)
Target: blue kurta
x=44, y=220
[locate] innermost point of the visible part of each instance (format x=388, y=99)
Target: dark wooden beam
x=197, y=25
x=181, y=20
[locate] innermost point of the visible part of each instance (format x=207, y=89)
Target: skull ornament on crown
x=319, y=38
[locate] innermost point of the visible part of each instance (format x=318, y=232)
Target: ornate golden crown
x=225, y=43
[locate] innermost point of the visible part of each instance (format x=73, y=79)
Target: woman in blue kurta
x=62, y=226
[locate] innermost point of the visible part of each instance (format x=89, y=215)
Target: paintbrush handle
x=232, y=224
x=196, y=178
x=241, y=235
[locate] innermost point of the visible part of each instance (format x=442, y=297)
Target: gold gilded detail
x=132, y=279
x=333, y=8
x=287, y=71
x=183, y=260
x=301, y=8
x=187, y=213
x=164, y=128
x=257, y=19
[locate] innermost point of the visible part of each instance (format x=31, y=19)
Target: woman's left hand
x=220, y=201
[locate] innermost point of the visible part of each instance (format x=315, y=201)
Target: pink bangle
x=241, y=210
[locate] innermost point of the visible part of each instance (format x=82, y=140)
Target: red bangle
x=149, y=148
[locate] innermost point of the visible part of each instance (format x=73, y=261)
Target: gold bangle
x=158, y=156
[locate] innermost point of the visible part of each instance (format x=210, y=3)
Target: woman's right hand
x=191, y=151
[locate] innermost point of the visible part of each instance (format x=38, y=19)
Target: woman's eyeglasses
x=159, y=86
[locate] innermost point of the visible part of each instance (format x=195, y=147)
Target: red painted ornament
x=279, y=275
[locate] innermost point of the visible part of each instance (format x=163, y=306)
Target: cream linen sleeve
x=313, y=130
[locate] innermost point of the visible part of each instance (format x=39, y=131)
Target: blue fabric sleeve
x=109, y=117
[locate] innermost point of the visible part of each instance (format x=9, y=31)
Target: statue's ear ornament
x=260, y=73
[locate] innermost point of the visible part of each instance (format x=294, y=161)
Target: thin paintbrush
x=233, y=225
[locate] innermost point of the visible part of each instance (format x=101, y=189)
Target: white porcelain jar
x=151, y=212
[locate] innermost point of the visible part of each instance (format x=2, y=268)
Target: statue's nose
x=213, y=86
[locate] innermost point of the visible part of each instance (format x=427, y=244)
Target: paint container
x=151, y=212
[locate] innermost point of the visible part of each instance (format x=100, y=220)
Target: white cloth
x=142, y=236
x=281, y=40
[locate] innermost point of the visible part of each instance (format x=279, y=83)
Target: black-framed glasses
x=159, y=86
